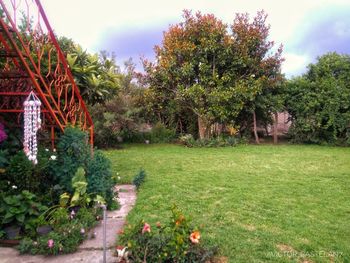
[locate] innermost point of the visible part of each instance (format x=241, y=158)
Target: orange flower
x=146, y=228
x=195, y=236
x=179, y=220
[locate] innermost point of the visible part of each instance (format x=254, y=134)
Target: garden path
x=90, y=251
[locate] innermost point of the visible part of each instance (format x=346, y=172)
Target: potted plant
x=42, y=226
x=18, y=211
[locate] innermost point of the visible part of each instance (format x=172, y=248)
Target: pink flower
x=194, y=237
x=50, y=243
x=72, y=214
x=146, y=228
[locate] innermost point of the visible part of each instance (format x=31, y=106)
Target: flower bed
x=52, y=204
x=176, y=241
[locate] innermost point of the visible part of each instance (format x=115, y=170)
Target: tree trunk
x=275, y=137
x=180, y=124
x=203, y=128
x=255, y=129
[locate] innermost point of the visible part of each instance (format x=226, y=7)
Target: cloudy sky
x=306, y=28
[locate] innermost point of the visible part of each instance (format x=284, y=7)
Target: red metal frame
x=24, y=52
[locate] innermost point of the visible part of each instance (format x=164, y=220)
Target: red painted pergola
x=31, y=60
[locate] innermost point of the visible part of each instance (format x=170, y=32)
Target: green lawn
x=257, y=203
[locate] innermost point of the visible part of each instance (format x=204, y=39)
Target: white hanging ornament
x=32, y=124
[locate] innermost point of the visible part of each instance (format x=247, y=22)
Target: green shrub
x=4, y=159
x=58, y=217
x=99, y=178
x=73, y=152
x=160, y=134
x=24, y=175
x=86, y=217
x=176, y=241
x=219, y=141
x=139, y=178
x=318, y=102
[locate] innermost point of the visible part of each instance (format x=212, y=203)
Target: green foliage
x=170, y=242
x=86, y=217
x=219, y=141
x=73, y=152
x=118, y=118
x=13, y=143
x=139, y=178
x=214, y=71
x=24, y=175
x=99, y=178
x=68, y=233
x=58, y=217
x=4, y=159
x=20, y=209
x=96, y=75
x=79, y=184
x=318, y=102
x=160, y=134
x=80, y=197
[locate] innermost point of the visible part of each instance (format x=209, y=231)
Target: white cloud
x=89, y=22
x=294, y=64
x=85, y=20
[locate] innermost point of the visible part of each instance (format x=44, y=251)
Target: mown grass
x=257, y=203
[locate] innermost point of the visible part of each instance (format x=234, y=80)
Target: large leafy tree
x=96, y=75
x=258, y=71
x=319, y=101
x=212, y=71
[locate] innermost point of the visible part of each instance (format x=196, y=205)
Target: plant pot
x=43, y=230
x=12, y=231
x=9, y=243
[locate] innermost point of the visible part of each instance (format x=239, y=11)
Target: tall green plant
x=23, y=175
x=73, y=152
x=99, y=178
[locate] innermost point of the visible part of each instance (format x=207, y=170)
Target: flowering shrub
x=68, y=232
x=3, y=135
x=176, y=241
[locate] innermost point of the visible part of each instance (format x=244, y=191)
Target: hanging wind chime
x=32, y=124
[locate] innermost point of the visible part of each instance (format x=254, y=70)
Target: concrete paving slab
x=11, y=255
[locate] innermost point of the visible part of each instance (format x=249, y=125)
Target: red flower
x=146, y=228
